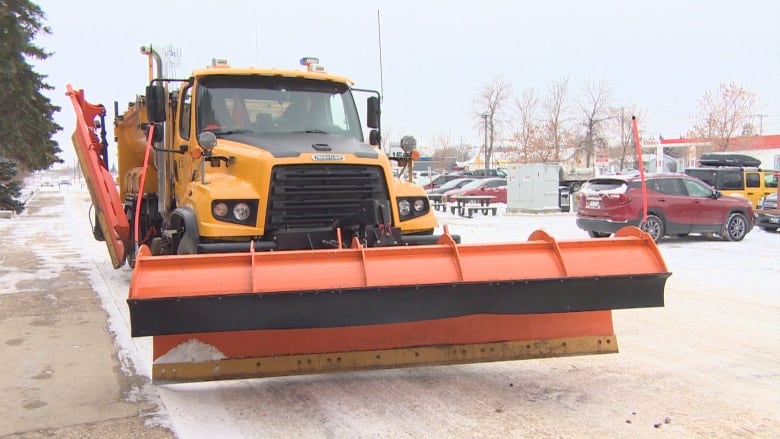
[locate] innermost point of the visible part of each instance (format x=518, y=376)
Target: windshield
x=256, y=104
x=456, y=183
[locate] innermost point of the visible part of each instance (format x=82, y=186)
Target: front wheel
x=654, y=226
x=735, y=228
x=593, y=234
x=130, y=255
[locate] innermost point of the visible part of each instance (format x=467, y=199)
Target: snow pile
x=191, y=351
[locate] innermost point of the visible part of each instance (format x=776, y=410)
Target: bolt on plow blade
x=283, y=313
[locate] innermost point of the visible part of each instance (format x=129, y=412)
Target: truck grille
x=308, y=196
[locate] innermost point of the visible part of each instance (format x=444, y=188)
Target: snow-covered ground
x=703, y=366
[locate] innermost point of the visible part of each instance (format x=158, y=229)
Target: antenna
x=172, y=57
x=381, y=75
x=257, y=43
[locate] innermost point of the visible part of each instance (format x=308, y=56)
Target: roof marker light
x=311, y=63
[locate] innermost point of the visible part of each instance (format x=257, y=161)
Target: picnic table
x=437, y=203
x=467, y=205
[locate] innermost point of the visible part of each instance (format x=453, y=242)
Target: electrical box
x=532, y=188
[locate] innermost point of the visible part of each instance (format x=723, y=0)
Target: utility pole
x=623, y=137
x=485, y=118
x=761, y=123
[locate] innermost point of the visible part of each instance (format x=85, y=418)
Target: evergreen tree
x=26, y=122
x=9, y=189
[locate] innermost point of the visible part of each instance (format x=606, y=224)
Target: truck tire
x=97, y=232
x=183, y=219
x=187, y=246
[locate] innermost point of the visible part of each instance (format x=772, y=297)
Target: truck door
x=672, y=197
x=182, y=172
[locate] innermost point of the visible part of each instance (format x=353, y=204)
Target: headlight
x=412, y=207
x=236, y=211
x=241, y=211
x=220, y=209
x=404, y=207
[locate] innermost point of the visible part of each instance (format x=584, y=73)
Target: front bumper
x=768, y=218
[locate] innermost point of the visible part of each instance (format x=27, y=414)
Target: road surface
x=704, y=366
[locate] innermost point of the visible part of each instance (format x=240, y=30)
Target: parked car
x=495, y=187
x=482, y=173
x=424, y=178
x=751, y=183
x=768, y=222
x=441, y=179
x=456, y=183
x=475, y=185
x=677, y=204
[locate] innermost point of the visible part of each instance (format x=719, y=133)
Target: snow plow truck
x=267, y=236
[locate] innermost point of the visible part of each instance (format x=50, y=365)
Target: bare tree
x=386, y=139
x=624, y=151
x=556, y=109
x=445, y=148
x=526, y=124
x=441, y=142
x=530, y=133
x=723, y=112
x=596, y=108
x=489, y=109
x=749, y=130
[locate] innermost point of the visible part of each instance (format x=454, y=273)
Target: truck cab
x=264, y=158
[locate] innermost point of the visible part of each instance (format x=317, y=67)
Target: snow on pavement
x=379, y=403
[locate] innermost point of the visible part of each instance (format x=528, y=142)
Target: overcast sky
x=659, y=56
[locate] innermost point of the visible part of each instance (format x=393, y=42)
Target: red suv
x=677, y=205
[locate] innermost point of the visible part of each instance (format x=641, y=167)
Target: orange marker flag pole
x=641, y=168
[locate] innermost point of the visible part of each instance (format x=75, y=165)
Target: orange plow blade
x=293, y=312
x=110, y=213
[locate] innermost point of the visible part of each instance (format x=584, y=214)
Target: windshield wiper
x=313, y=132
x=228, y=132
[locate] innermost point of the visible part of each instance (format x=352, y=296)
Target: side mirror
x=374, y=138
x=716, y=194
x=372, y=112
x=155, y=103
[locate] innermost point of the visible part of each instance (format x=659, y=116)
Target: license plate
x=774, y=219
x=593, y=204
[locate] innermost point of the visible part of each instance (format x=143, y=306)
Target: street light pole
x=485, y=118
